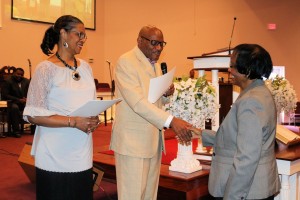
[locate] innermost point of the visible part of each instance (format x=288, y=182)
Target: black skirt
x=64, y=185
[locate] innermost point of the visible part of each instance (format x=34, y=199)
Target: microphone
x=229, y=53
x=112, y=89
x=29, y=63
x=111, y=80
x=164, y=68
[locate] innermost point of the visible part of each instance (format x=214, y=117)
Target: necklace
x=75, y=74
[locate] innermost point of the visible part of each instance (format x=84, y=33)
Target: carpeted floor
x=15, y=185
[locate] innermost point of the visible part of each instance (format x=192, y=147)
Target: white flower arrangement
x=283, y=93
x=194, y=100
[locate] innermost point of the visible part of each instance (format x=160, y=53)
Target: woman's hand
x=197, y=132
x=86, y=124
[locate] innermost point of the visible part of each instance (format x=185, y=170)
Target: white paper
x=93, y=107
x=159, y=85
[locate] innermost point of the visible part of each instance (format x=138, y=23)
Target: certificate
x=159, y=85
x=93, y=107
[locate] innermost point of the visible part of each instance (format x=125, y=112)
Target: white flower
x=194, y=100
x=283, y=93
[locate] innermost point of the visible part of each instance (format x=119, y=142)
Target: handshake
x=184, y=131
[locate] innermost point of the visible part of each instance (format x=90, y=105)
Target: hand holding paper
x=85, y=124
x=170, y=90
x=93, y=107
x=159, y=85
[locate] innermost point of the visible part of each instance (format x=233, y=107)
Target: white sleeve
x=40, y=84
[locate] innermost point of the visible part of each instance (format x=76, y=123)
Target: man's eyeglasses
x=155, y=42
x=81, y=35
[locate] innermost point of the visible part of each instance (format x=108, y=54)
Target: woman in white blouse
x=62, y=145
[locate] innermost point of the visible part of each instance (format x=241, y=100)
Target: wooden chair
x=5, y=72
x=96, y=83
x=103, y=87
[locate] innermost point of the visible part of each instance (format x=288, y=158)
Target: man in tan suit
x=137, y=136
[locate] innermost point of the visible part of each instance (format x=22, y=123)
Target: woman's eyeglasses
x=81, y=35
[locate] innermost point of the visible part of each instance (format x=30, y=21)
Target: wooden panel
x=225, y=99
x=27, y=162
x=172, y=185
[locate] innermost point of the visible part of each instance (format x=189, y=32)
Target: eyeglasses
x=155, y=42
x=81, y=35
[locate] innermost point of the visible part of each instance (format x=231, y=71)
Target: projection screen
x=47, y=11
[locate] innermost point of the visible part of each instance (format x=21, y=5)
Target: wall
x=20, y=40
x=190, y=27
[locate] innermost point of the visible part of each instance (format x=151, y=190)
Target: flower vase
x=193, y=100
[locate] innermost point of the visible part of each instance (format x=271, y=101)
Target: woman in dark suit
x=243, y=163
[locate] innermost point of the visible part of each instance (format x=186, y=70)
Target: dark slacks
x=16, y=116
x=269, y=198
x=64, y=186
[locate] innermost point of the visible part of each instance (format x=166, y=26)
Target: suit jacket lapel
x=143, y=59
x=22, y=89
x=17, y=89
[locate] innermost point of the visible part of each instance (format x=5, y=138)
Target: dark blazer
x=243, y=163
x=11, y=91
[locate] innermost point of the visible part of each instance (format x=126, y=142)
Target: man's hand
x=170, y=91
x=181, y=129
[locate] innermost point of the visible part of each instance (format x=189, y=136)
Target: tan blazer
x=136, y=129
x=243, y=163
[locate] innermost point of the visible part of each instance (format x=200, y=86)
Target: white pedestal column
x=201, y=73
x=285, y=187
x=185, y=162
x=215, y=83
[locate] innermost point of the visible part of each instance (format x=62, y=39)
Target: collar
x=255, y=83
x=152, y=62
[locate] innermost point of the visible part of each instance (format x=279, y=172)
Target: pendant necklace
x=75, y=74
